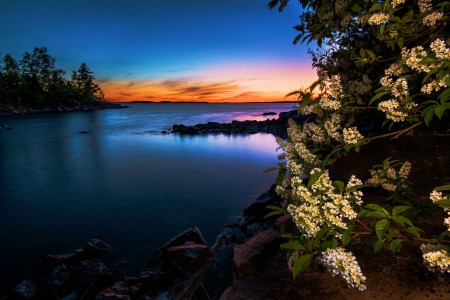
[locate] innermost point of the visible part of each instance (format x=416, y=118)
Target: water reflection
x=59, y=188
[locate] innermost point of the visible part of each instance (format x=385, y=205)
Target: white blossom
x=339, y=262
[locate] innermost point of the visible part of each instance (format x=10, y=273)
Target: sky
x=166, y=50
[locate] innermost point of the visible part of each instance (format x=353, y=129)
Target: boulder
x=119, y=291
x=27, y=289
x=249, y=256
x=192, y=235
x=218, y=276
x=227, y=237
x=188, y=258
x=258, y=207
x=82, y=276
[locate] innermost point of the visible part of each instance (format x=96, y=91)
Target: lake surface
x=123, y=182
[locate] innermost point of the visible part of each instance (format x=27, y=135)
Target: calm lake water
x=124, y=182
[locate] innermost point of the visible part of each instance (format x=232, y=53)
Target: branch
x=396, y=134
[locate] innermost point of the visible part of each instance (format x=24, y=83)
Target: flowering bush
x=401, y=46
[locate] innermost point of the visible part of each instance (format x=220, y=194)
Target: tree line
x=35, y=82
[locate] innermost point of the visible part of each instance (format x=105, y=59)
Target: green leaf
x=301, y=264
x=376, y=214
x=363, y=213
x=376, y=207
x=271, y=170
x=354, y=188
x=378, y=245
x=356, y=8
x=400, y=42
x=285, y=224
x=276, y=208
x=396, y=245
x=442, y=188
x=398, y=209
x=362, y=52
x=290, y=236
x=381, y=227
x=429, y=74
x=313, y=178
x=295, y=245
x=320, y=233
x=339, y=185
x=334, y=243
x=444, y=203
x=414, y=230
x=428, y=117
x=346, y=235
x=272, y=4
x=382, y=27
x=376, y=6
x=377, y=96
x=274, y=213
x=445, y=233
x=439, y=111
x=402, y=220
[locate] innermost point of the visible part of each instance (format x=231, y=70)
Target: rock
x=256, y=228
x=48, y=264
x=159, y=279
x=191, y=235
x=188, y=259
x=227, y=237
x=218, y=276
x=116, y=292
x=258, y=207
x=27, y=289
x=280, y=221
x=80, y=277
x=72, y=296
x=249, y=256
x=94, y=249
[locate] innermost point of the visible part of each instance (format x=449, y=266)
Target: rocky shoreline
x=274, y=126
x=183, y=268
x=19, y=110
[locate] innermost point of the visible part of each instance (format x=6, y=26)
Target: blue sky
x=166, y=50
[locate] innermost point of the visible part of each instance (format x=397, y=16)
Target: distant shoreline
x=196, y=102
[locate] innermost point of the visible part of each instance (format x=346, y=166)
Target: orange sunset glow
x=243, y=83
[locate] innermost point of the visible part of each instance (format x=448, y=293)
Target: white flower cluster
x=329, y=104
x=378, y=18
x=388, y=178
x=314, y=132
x=436, y=258
x=440, y=49
x=434, y=85
x=413, y=58
x=425, y=5
x=332, y=126
x=432, y=18
x=400, y=88
x=396, y=3
x=394, y=70
x=351, y=135
x=339, y=262
x=311, y=209
x=436, y=196
x=298, y=158
x=394, y=111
